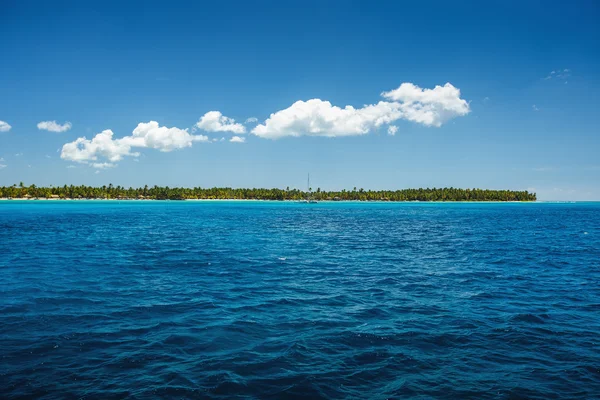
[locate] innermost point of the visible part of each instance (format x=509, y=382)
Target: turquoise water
x=103, y=300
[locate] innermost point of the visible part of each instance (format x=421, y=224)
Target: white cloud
x=53, y=126
x=3, y=166
x=145, y=135
x=430, y=107
x=162, y=138
x=237, y=139
x=103, y=145
x=392, y=129
x=71, y=166
x=103, y=165
x=251, y=120
x=18, y=154
x=320, y=118
x=535, y=108
x=97, y=172
x=4, y=126
x=214, y=121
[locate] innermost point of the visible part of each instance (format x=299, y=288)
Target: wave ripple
x=280, y=300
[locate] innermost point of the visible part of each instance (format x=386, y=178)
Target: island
x=111, y=192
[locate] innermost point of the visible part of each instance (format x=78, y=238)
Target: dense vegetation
x=167, y=193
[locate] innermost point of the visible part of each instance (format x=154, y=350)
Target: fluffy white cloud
x=145, y=135
x=237, y=139
x=429, y=107
x=162, y=138
x=251, y=120
x=214, y=121
x=4, y=126
x=3, y=166
x=392, y=129
x=53, y=126
x=320, y=118
x=102, y=145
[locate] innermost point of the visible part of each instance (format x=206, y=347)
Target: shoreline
x=278, y=201
x=111, y=192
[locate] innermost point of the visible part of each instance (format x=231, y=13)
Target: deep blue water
x=103, y=300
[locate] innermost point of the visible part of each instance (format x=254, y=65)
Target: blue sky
x=506, y=121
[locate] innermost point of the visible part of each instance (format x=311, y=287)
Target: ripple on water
x=279, y=300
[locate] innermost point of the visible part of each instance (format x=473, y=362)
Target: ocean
x=267, y=300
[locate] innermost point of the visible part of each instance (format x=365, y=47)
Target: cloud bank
x=316, y=117
x=53, y=126
x=4, y=126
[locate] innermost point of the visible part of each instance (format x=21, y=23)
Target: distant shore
x=267, y=200
x=111, y=192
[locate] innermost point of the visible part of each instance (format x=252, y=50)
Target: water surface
x=284, y=300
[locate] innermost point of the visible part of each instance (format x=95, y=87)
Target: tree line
x=179, y=193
